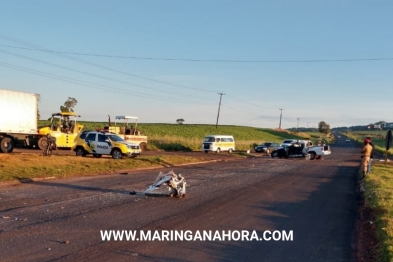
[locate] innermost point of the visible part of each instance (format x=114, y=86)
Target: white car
x=288, y=142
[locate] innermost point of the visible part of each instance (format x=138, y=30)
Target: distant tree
x=69, y=105
x=180, y=121
x=324, y=127
x=380, y=123
x=38, y=111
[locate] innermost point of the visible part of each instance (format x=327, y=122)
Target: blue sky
x=267, y=51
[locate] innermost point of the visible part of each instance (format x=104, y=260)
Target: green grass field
x=189, y=137
x=379, y=189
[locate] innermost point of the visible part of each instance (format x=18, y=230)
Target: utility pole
x=280, y=118
x=297, y=124
x=219, y=105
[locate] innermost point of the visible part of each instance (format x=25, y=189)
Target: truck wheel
x=218, y=150
x=312, y=155
x=42, y=143
x=274, y=154
x=6, y=145
x=230, y=151
x=267, y=151
x=80, y=151
x=116, y=154
x=143, y=147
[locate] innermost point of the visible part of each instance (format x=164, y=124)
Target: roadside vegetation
x=378, y=195
x=377, y=137
x=31, y=165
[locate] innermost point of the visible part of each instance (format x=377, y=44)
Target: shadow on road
x=79, y=187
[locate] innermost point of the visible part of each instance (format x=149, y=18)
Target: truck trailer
x=18, y=120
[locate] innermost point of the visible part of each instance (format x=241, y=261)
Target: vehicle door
x=224, y=144
x=217, y=143
x=91, y=142
x=103, y=146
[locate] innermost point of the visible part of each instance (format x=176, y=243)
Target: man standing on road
x=366, y=153
x=371, y=156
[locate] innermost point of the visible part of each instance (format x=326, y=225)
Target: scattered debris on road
x=176, y=185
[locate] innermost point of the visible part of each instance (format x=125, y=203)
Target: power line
x=246, y=103
x=86, y=73
x=96, y=86
x=207, y=60
x=38, y=48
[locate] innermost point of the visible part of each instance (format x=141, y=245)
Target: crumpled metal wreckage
x=176, y=185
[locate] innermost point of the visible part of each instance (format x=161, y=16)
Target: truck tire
x=312, y=155
x=274, y=154
x=42, y=143
x=218, y=150
x=6, y=145
x=230, y=151
x=143, y=147
x=116, y=154
x=285, y=154
x=79, y=151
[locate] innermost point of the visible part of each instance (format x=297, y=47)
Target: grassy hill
x=190, y=136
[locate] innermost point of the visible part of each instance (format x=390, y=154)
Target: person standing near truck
x=371, y=156
x=365, y=155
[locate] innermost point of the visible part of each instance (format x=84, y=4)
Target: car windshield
x=209, y=139
x=267, y=144
x=288, y=141
x=115, y=138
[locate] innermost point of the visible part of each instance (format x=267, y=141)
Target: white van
x=218, y=143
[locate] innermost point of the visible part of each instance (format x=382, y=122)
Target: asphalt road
x=60, y=220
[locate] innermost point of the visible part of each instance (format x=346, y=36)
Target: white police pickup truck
x=301, y=149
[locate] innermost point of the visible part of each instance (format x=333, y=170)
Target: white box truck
x=18, y=119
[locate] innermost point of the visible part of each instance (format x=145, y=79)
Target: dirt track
x=61, y=219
